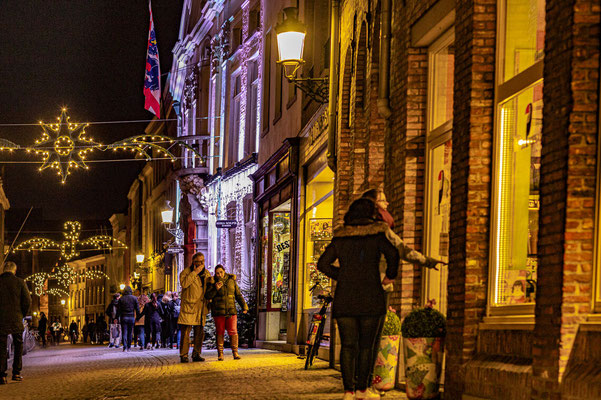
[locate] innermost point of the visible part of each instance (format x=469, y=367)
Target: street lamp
x=122, y=286
x=291, y=41
x=63, y=302
x=167, y=217
x=139, y=258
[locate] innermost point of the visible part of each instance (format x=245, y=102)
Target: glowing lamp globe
x=122, y=286
x=140, y=258
x=291, y=38
x=63, y=302
x=167, y=214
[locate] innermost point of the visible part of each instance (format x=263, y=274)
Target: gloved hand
x=432, y=262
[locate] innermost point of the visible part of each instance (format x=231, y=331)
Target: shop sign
x=226, y=223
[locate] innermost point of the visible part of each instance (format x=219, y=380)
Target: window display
x=280, y=263
x=318, y=232
x=520, y=134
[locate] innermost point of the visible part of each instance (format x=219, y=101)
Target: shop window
x=441, y=62
x=518, y=134
x=524, y=36
x=319, y=209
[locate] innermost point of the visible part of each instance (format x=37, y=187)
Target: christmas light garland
x=69, y=248
x=65, y=145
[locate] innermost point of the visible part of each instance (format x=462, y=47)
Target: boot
x=220, y=347
x=234, y=340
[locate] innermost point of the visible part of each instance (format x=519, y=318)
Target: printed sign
x=226, y=223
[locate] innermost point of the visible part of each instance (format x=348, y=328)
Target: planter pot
x=423, y=363
x=386, y=363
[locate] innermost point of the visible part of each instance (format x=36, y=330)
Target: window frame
x=504, y=91
x=596, y=295
x=435, y=136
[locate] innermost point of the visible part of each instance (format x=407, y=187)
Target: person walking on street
x=114, y=327
x=42, y=327
x=14, y=305
x=55, y=330
x=127, y=312
x=224, y=293
x=73, y=332
x=153, y=313
x=167, y=315
x=92, y=332
x=140, y=329
x=194, y=307
x=101, y=329
x=176, y=305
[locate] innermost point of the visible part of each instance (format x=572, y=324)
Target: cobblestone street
x=95, y=372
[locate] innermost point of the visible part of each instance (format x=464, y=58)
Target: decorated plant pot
x=423, y=363
x=386, y=363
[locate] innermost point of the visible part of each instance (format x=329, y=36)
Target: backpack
x=176, y=308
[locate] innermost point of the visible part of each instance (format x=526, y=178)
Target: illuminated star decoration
x=63, y=146
x=70, y=247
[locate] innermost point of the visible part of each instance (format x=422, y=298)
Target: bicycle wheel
x=314, y=349
x=30, y=342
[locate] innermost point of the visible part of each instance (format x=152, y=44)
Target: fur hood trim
x=362, y=230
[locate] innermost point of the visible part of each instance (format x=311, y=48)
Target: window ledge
x=509, y=322
x=592, y=323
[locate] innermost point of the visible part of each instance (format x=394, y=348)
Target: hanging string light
x=70, y=247
x=65, y=145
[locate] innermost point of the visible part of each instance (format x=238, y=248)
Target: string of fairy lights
x=69, y=249
x=65, y=145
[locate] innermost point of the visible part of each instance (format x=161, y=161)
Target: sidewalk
x=97, y=372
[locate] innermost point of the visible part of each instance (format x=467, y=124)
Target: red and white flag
x=152, y=77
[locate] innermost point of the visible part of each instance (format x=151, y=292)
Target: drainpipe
x=384, y=87
x=333, y=82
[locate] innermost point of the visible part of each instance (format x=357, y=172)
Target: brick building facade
x=467, y=77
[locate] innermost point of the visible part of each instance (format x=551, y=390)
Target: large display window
x=518, y=141
x=274, y=269
x=319, y=208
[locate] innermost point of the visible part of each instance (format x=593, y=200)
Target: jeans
x=18, y=357
x=141, y=335
x=357, y=336
x=127, y=327
x=115, y=331
x=177, y=334
x=155, y=332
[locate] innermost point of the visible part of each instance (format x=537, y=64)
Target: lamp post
x=167, y=217
x=291, y=41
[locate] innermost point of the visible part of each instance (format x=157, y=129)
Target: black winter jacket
x=14, y=303
x=128, y=305
x=152, y=313
x=358, y=248
x=224, y=300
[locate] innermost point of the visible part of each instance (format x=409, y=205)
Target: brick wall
x=567, y=187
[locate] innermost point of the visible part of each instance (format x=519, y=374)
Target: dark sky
x=87, y=55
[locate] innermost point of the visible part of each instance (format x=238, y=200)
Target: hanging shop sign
x=226, y=223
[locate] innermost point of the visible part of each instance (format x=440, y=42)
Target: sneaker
x=348, y=396
x=183, y=359
x=112, y=345
x=141, y=349
x=17, y=378
x=367, y=394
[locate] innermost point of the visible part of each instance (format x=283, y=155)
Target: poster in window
x=319, y=246
x=320, y=229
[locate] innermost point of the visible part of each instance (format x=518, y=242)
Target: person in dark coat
x=92, y=332
x=359, y=304
x=176, y=306
x=153, y=314
x=114, y=328
x=127, y=312
x=42, y=327
x=73, y=332
x=224, y=293
x=100, y=329
x=14, y=305
x=167, y=315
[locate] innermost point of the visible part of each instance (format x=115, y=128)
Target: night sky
x=88, y=56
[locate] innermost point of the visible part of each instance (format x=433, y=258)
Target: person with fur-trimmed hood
x=359, y=304
x=224, y=293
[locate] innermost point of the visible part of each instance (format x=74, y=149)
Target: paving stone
x=94, y=372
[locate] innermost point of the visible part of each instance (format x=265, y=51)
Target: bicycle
x=318, y=323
